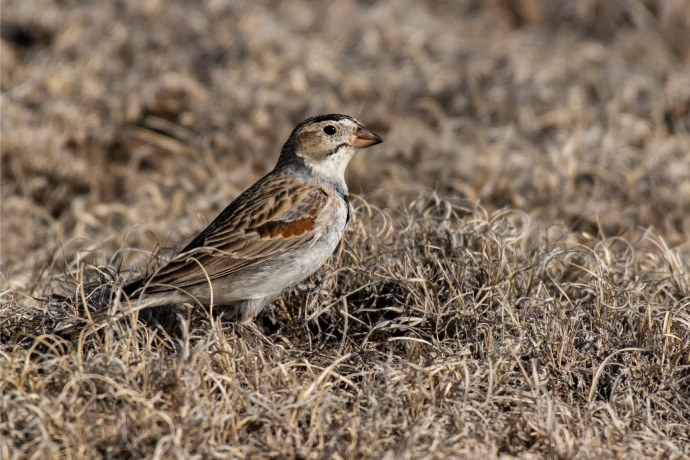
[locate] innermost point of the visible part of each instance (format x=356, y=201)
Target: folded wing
x=262, y=223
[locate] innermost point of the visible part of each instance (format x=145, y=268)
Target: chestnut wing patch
x=276, y=229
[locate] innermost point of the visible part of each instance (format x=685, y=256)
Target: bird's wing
x=269, y=219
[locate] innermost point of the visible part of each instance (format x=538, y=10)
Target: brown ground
x=516, y=281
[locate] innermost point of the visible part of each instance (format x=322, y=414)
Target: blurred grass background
x=122, y=115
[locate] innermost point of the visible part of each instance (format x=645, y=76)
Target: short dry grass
x=515, y=281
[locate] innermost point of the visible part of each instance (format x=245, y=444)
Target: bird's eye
x=329, y=129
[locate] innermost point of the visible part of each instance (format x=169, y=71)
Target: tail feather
x=133, y=286
x=149, y=311
x=102, y=311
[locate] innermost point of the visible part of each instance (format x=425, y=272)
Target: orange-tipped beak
x=365, y=138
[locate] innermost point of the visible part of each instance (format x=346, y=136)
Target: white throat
x=332, y=168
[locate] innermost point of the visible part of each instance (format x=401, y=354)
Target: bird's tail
x=147, y=310
x=102, y=304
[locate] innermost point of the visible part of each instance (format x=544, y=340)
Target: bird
x=274, y=235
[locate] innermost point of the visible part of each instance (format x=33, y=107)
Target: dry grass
x=515, y=282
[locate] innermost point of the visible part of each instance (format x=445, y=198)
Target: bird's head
x=327, y=143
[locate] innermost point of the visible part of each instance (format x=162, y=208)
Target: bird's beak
x=365, y=138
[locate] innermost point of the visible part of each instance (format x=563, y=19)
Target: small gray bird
x=274, y=235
